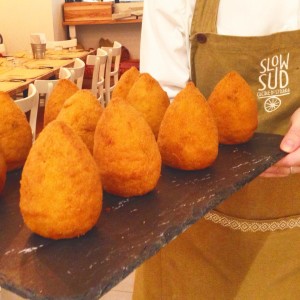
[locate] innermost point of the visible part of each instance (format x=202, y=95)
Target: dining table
x=20, y=69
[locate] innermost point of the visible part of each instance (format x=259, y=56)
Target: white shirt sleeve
x=164, y=52
x=257, y=17
x=165, y=46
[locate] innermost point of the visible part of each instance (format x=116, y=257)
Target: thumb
x=291, y=140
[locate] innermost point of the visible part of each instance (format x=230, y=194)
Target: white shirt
x=165, y=47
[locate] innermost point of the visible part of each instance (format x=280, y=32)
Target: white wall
x=59, y=31
x=128, y=35
x=19, y=18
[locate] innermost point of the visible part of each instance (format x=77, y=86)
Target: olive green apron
x=249, y=246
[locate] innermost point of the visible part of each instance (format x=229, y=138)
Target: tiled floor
x=122, y=291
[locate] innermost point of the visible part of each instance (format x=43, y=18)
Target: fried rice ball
x=126, y=151
x=148, y=97
x=15, y=133
x=81, y=112
x=235, y=109
x=60, y=93
x=61, y=193
x=2, y=171
x=125, y=83
x=188, y=135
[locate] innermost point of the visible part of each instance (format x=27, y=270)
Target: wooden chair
x=77, y=72
x=45, y=86
x=30, y=104
x=59, y=45
x=99, y=63
x=112, y=69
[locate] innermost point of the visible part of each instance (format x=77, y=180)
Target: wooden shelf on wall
x=100, y=13
x=90, y=22
x=89, y=13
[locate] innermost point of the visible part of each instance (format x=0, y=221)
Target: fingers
x=290, y=143
x=280, y=171
x=287, y=165
x=290, y=160
x=276, y=171
x=291, y=140
x=295, y=170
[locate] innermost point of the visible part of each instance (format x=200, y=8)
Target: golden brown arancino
x=60, y=93
x=81, y=112
x=188, y=135
x=235, y=109
x=15, y=133
x=148, y=97
x=126, y=151
x=61, y=193
x=125, y=83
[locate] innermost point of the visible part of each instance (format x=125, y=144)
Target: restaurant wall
x=19, y=18
x=59, y=31
x=127, y=34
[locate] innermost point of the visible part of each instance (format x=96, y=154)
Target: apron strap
x=205, y=16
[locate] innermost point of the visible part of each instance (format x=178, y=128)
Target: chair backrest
x=58, y=45
x=45, y=86
x=99, y=63
x=112, y=68
x=64, y=73
x=77, y=72
x=30, y=103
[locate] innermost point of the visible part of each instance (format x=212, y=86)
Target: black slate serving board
x=128, y=232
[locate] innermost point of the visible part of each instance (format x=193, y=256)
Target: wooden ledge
x=119, y=21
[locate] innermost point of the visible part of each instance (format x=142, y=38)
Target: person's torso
x=271, y=66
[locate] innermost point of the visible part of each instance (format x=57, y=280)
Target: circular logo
x=272, y=104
